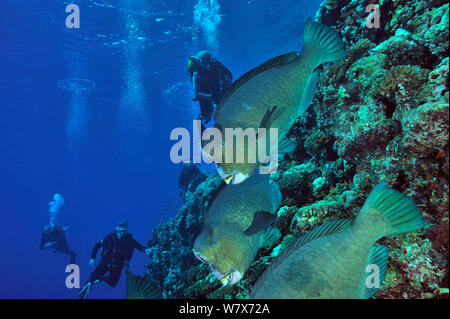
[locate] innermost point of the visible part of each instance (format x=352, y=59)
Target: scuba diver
x=54, y=237
x=209, y=79
x=116, y=251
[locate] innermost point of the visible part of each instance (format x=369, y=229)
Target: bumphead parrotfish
x=271, y=96
x=237, y=224
x=339, y=259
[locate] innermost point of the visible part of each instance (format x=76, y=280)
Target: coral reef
x=171, y=255
x=381, y=114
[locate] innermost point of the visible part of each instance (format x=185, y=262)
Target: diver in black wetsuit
x=54, y=237
x=209, y=79
x=116, y=251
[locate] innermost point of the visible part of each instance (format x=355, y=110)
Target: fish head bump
x=227, y=255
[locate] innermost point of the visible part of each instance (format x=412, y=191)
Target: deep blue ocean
x=87, y=113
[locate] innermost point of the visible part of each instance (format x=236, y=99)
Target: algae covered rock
x=438, y=82
x=297, y=178
x=426, y=128
x=188, y=173
x=431, y=28
x=380, y=114
x=171, y=246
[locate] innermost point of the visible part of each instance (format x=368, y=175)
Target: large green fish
x=236, y=224
x=272, y=95
x=338, y=259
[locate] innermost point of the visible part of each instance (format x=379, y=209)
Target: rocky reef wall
x=381, y=114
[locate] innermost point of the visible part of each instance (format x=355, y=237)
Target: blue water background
x=87, y=113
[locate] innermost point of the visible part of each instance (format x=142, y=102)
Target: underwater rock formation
x=171, y=256
x=190, y=177
x=381, y=114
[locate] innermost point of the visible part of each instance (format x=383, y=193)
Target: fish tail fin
x=321, y=44
x=389, y=212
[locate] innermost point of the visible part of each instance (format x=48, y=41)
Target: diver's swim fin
x=85, y=291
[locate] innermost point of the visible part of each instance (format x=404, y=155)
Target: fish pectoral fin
x=265, y=122
x=269, y=118
x=375, y=270
x=271, y=235
x=286, y=146
x=261, y=220
x=275, y=195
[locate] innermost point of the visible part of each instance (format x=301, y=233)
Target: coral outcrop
x=381, y=114
x=171, y=257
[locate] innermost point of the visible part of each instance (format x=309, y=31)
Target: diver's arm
x=137, y=245
x=196, y=84
x=95, y=249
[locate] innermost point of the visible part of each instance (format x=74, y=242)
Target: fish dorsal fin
x=272, y=63
x=141, y=288
x=378, y=256
x=330, y=228
x=333, y=227
x=261, y=220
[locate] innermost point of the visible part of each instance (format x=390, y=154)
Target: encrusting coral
x=380, y=114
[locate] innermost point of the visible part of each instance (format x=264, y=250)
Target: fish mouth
x=234, y=177
x=229, y=278
x=225, y=176
x=239, y=178
x=200, y=257
x=228, y=178
x=226, y=278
